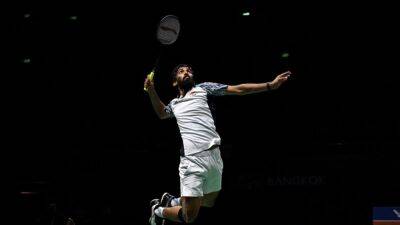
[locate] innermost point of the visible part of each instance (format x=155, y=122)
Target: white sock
x=159, y=212
x=175, y=202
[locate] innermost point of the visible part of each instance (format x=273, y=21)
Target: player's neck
x=184, y=90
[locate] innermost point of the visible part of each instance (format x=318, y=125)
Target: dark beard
x=187, y=84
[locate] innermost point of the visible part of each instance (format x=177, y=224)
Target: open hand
x=280, y=79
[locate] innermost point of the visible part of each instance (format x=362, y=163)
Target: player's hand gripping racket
x=167, y=33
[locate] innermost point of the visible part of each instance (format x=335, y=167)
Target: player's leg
x=209, y=199
x=192, y=180
x=213, y=182
x=212, y=186
x=186, y=213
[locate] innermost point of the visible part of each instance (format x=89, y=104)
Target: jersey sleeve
x=215, y=89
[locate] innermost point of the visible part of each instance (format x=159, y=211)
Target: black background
x=82, y=139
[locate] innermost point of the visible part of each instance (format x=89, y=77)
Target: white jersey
x=194, y=117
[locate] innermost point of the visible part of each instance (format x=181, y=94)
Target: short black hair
x=175, y=70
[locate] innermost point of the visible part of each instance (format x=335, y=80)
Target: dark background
x=82, y=140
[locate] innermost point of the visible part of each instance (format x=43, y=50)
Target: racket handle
x=150, y=76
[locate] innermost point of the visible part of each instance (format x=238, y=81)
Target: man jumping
x=200, y=168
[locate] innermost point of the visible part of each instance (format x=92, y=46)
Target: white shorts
x=201, y=173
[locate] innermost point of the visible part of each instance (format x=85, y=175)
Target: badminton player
x=200, y=168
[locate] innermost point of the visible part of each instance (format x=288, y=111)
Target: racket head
x=168, y=29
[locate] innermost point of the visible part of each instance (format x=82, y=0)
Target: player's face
x=184, y=76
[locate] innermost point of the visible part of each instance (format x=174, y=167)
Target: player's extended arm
x=158, y=105
x=244, y=89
